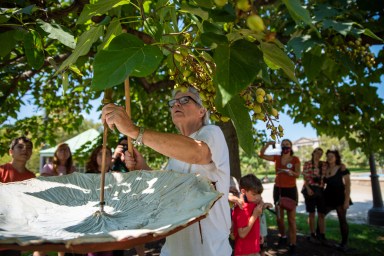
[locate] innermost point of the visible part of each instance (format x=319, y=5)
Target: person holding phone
x=287, y=167
x=118, y=158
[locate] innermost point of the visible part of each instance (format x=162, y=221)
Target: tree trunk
x=233, y=147
x=376, y=213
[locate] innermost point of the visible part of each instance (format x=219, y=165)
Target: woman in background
x=94, y=163
x=287, y=167
x=62, y=162
x=337, y=192
x=313, y=189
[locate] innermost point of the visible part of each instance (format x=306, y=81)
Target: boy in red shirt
x=20, y=151
x=246, y=221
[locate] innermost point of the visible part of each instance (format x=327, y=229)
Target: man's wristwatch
x=139, y=139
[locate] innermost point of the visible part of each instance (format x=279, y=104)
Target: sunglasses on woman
x=182, y=101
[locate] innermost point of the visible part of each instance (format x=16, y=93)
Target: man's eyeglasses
x=182, y=101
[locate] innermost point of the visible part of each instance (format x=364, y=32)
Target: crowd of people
x=201, y=148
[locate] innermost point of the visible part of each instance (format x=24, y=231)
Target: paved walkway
x=361, y=195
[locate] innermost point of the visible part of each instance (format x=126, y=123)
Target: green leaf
x=369, y=33
x=237, y=65
x=195, y=11
x=312, y=62
x=113, y=30
x=242, y=122
x=322, y=11
x=78, y=89
x=4, y=18
x=9, y=39
x=99, y=8
x=27, y=10
x=204, y=3
x=34, y=50
x=302, y=44
x=56, y=32
x=211, y=27
x=342, y=27
x=83, y=46
x=211, y=40
x=125, y=56
x=298, y=13
x=153, y=28
x=76, y=70
x=163, y=10
x=226, y=14
x=330, y=69
x=275, y=55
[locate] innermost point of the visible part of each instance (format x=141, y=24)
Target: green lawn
x=357, y=169
x=366, y=238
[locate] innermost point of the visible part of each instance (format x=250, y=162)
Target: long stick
x=107, y=99
x=102, y=180
x=128, y=110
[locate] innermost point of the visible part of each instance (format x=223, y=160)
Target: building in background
x=305, y=142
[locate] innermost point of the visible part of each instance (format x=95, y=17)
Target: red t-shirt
x=250, y=243
x=283, y=180
x=9, y=174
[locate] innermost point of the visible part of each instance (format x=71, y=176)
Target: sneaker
x=292, y=250
x=312, y=238
x=282, y=241
x=342, y=247
x=323, y=240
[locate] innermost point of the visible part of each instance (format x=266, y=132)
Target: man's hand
x=135, y=162
x=115, y=116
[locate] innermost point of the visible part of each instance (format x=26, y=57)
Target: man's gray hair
x=198, y=100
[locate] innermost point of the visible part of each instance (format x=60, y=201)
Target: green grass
x=359, y=169
x=366, y=238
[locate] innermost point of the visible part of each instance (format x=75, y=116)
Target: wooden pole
x=128, y=110
x=107, y=99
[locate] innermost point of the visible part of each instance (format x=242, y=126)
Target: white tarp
x=62, y=209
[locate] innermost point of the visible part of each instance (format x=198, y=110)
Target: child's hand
x=258, y=210
x=261, y=240
x=267, y=205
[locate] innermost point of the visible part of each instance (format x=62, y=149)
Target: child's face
x=252, y=196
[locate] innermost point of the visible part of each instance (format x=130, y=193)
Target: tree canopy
x=248, y=59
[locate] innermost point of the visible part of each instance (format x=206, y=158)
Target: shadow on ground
x=304, y=247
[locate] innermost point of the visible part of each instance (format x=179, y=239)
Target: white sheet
x=62, y=209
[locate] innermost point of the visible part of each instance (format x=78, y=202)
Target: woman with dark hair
x=62, y=162
x=313, y=193
x=337, y=192
x=287, y=169
x=94, y=163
